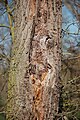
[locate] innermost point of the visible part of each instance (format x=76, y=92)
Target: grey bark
x=36, y=61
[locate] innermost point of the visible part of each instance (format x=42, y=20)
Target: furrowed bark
x=37, y=60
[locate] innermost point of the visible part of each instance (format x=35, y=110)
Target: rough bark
x=36, y=61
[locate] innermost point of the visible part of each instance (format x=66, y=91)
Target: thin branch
x=4, y=56
x=70, y=81
x=3, y=86
x=70, y=58
x=3, y=25
x=3, y=112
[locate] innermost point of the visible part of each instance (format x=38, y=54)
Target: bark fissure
x=31, y=39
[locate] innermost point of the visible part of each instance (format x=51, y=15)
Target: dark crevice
x=31, y=39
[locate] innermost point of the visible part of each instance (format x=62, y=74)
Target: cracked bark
x=38, y=59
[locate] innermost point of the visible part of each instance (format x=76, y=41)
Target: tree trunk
x=36, y=59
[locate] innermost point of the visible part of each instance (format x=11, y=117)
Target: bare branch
x=3, y=25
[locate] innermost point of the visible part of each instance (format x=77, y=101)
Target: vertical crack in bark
x=31, y=39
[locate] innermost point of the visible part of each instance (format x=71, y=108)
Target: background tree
x=71, y=61
x=5, y=47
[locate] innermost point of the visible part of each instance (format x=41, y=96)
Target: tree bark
x=34, y=80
